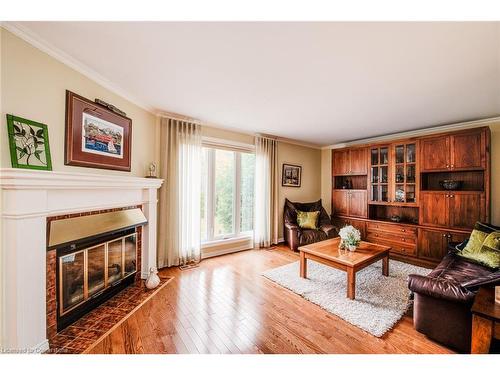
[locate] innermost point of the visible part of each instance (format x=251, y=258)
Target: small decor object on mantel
x=350, y=236
x=152, y=171
x=96, y=137
x=291, y=175
x=153, y=280
x=29, y=144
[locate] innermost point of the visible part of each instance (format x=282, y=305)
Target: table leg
x=351, y=283
x=385, y=266
x=303, y=265
x=482, y=331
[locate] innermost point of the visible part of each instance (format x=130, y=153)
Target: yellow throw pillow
x=307, y=220
x=483, y=248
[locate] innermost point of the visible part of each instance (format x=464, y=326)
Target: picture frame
x=291, y=175
x=96, y=137
x=28, y=143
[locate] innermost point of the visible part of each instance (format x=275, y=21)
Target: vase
x=351, y=247
x=153, y=280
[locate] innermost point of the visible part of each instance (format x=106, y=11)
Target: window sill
x=224, y=241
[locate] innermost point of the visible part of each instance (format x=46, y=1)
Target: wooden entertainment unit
x=392, y=192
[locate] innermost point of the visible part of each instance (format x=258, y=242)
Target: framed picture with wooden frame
x=95, y=136
x=291, y=175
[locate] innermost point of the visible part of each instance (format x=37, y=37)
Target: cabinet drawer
x=396, y=247
x=404, y=238
x=391, y=228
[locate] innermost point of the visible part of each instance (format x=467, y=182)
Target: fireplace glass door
x=130, y=254
x=72, y=275
x=115, y=261
x=96, y=258
x=89, y=272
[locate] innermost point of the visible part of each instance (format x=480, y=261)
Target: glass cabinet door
x=405, y=173
x=379, y=174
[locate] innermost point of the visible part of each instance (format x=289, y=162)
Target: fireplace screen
x=87, y=273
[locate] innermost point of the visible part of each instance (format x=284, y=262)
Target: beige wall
x=495, y=174
x=326, y=179
x=33, y=85
x=310, y=190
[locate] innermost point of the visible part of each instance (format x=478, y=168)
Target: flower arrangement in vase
x=350, y=237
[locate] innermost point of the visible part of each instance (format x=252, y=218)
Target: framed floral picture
x=291, y=175
x=28, y=143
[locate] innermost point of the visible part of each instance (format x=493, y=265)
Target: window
x=227, y=193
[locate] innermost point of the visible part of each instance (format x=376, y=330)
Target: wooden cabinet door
x=432, y=244
x=458, y=237
x=435, y=154
x=359, y=225
x=468, y=150
x=434, y=208
x=340, y=202
x=464, y=209
x=359, y=161
x=357, y=203
x=340, y=162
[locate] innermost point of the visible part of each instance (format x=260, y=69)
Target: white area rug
x=380, y=301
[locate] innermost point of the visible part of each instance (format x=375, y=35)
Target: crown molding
x=418, y=133
x=36, y=41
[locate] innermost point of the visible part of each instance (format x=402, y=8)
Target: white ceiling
x=317, y=82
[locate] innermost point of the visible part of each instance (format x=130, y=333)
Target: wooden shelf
x=349, y=189
x=402, y=204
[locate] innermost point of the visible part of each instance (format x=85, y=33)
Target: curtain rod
x=178, y=116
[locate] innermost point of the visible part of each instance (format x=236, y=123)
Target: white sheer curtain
x=266, y=191
x=180, y=201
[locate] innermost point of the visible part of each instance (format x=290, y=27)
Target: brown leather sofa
x=443, y=299
x=294, y=235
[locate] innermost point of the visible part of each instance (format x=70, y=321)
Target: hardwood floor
x=226, y=306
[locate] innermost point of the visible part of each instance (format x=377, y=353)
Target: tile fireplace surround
x=28, y=199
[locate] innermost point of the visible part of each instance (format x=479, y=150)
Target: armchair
x=294, y=235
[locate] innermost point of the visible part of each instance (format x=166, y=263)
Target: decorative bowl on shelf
x=396, y=218
x=451, y=184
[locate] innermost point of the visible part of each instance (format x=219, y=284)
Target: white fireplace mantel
x=28, y=198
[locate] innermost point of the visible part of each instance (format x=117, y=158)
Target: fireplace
x=96, y=256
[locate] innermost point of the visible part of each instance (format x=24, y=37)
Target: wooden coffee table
x=328, y=252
